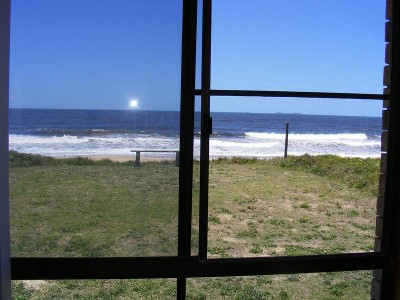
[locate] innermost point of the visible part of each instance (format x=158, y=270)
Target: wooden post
x=286, y=139
x=137, y=161
x=177, y=159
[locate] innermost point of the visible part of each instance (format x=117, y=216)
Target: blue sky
x=100, y=54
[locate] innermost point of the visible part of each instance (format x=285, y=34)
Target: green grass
x=298, y=206
x=357, y=173
x=93, y=209
x=324, y=286
x=96, y=289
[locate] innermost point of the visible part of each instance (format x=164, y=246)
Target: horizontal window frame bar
x=57, y=268
x=292, y=94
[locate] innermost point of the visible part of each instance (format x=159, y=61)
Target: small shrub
x=329, y=237
x=284, y=295
x=214, y=219
x=79, y=161
x=304, y=219
x=17, y=159
x=218, y=251
x=252, y=293
x=225, y=211
x=269, y=243
x=256, y=249
x=293, y=277
x=252, y=232
x=278, y=222
x=235, y=160
x=353, y=213
x=338, y=289
x=305, y=205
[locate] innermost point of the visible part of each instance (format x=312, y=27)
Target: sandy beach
x=124, y=158
x=144, y=157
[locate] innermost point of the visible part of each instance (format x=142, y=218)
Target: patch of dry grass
x=269, y=211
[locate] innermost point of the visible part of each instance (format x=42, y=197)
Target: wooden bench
x=137, y=160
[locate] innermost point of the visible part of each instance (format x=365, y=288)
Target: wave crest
x=308, y=137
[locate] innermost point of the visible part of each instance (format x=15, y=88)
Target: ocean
x=63, y=133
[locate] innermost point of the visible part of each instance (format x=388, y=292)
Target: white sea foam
x=376, y=143
x=73, y=145
x=220, y=143
x=253, y=144
x=308, y=137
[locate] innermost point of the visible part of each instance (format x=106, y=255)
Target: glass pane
x=335, y=46
x=95, y=289
x=196, y=177
x=336, y=285
x=199, y=43
x=94, y=127
x=321, y=199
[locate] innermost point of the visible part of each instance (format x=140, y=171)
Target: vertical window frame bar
x=391, y=220
x=188, y=78
x=205, y=128
x=5, y=260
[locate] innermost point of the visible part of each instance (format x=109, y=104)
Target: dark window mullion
x=391, y=221
x=188, y=67
x=5, y=285
x=187, y=125
x=205, y=128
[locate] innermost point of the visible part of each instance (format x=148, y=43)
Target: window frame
x=5, y=265
x=186, y=265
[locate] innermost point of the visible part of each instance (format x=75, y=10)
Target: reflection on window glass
x=94, y=127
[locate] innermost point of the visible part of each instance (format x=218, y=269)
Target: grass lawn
x=301, y=205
